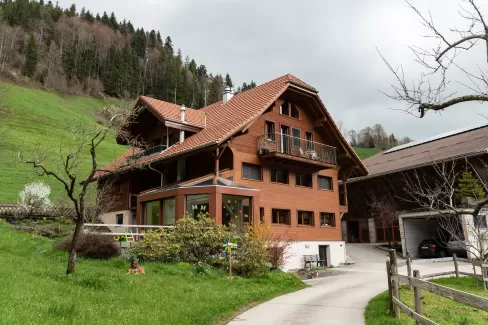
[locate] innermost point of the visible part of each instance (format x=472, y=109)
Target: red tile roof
x=224, y=120
x=171, y=112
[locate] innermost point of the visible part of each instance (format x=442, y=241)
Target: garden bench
x=313, y=259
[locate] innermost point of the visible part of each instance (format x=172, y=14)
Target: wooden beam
x=318, y=122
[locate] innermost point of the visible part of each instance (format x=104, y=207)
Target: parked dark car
x=436, y=248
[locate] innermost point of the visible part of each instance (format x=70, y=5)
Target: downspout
x=157, y=171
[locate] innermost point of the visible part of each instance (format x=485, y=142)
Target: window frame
x=117, y=216
x=309, y=143
x=278, y=220
x=298, y=176
x=261, y=214
x=273, y=171
x=252, y=165
x=287, y=108
x=300, y=219
x=324, y=225
x=297, y=110
x=267, y=133
x=330, y=182
x=293, y=144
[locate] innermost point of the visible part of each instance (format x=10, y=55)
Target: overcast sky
x=328, y=44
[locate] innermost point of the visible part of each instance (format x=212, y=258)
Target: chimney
x=228, y=93
x=183, y=119
x=182, y=113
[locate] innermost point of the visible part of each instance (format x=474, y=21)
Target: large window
x=196, y=204
x=269, y=130
x=250, y=171
x=151, y=213
x=294, y=111
x=304, y=180
x=309, y=137
x=279, y=176
x=236, y=210
x=386, y=230
x=169, y=207
x=281, y=216
x=306, y=218
x=296, y=137
x=327, y=219
x=325, y=183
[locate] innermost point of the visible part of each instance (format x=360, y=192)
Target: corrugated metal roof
x=465, y=143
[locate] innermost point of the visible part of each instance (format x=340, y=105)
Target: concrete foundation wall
x=336, y=253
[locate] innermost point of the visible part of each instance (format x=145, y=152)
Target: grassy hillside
x=364, y=153
x=32, y=115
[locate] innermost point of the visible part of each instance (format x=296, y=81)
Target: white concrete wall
x=110, y=218
x=336, y=253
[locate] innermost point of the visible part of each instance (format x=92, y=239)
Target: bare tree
x=431, y=92
x=385, y=208
x=66, y=170
x=435, y=191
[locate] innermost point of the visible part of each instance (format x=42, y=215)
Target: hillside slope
x=30, y=115
x=364, y=153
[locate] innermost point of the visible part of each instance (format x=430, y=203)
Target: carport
x=417, y=226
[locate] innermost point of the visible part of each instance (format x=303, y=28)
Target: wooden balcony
x=282, y=148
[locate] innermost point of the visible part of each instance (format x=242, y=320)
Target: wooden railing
x=416, y=283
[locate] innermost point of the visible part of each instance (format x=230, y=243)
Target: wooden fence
x=416, y=283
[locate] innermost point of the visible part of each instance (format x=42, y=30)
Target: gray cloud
x=329, y=44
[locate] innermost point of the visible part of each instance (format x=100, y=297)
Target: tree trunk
x=74, y=243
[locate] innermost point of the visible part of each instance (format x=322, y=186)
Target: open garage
x=415, y=228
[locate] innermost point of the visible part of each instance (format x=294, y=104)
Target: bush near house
x=36, y=291
x=92, y=246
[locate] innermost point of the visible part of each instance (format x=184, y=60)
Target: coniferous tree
x=31, y=58
x=228, y=81
x=168, y=45
x=71, y=12
x=97, y=17
x=159, y=39
x=469, y=186
x=113, y=22
x=105, y=20
x=130, y=27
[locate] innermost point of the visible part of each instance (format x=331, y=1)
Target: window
x=306, y=218
x=169, y=208
x=294, y=111
x=285, y=108
x=261, y=214
x=119, y=219
x=196, y=204
x=480, y=221
x=309, y=137
x=250, y=171
x=304, y=180
x=296, y=137
x=269, y=131
x=325, y=183
x=327, y=219
x=236, y=210
x=280, y=216
x=279, y=176
x=151, y=213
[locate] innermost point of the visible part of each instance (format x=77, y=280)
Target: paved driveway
x=339, y=299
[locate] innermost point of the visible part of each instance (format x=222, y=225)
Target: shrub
x=157, y=245
x=278, y=246
x=92, y=246
x=250, y=258
x=35, y=197
x=200, y=239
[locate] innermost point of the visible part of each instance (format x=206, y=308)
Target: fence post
x=396, y=289
x=390, y=287
x=409, y=268
x=416, y=294
x=454, y=258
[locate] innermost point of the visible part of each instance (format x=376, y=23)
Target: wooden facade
x=314, y=213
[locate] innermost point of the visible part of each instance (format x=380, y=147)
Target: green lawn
x=28, y=116
x=34, y=289
x=438, y=309
x=364, y=153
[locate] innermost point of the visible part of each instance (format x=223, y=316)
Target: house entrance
x=358, y=231
x=324, y=251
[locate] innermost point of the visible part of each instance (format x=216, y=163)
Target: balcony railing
x=279, y=143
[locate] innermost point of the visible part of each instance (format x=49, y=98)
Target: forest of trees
x=80, y=52
x=373, y=137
